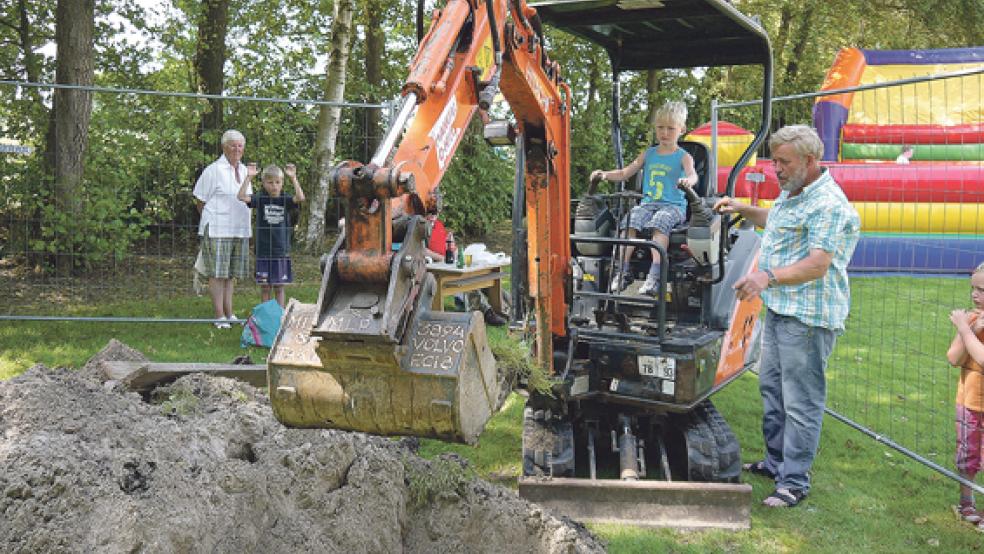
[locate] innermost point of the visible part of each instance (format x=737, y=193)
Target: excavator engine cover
x=359, y=361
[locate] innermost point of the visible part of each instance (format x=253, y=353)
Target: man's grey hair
x=232, y=135
x=805, y=141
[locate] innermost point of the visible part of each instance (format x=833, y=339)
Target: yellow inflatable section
x=954, y=101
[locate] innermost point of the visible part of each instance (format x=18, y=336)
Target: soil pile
x=203, y=465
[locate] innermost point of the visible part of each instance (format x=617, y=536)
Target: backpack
x=262, y=325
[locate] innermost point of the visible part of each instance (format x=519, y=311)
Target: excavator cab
x=629, y=433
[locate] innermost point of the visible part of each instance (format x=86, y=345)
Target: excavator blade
x=374, y=358
x=677, y=504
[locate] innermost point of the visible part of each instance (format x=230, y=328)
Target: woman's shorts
x=274, y=271
x=225, y=258
x=661, y=218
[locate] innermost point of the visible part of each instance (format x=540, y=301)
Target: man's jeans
x=794, y=390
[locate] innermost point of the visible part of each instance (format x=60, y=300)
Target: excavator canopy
x=659, y=34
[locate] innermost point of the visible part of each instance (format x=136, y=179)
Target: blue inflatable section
x=917, y=254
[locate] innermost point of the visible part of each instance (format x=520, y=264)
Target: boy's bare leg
x=621, y=279
x=265, y=292
x=628, y=250
x=279, y=290
x=663, y=241
x=651, y=285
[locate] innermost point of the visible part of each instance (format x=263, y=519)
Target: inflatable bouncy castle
x=921, y=212
x=941, y=119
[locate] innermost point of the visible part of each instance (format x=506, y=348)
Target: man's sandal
x=759, y=468
x=968, y=513
x=784, y=498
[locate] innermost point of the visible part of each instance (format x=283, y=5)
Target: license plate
x=657, y=366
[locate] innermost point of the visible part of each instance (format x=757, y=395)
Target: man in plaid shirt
x=810, y=234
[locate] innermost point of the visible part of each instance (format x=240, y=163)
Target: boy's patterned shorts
x=970, y=431
x=225, y=258
x=661, y=218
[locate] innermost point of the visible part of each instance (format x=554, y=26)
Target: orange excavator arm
x=472, y=50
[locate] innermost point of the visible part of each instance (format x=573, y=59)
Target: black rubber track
x=713, y=452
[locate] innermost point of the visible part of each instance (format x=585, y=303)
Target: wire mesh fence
x=128, y=230
x=909, y=157
x=131, y=232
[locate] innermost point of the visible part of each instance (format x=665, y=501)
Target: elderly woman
x=225, y=224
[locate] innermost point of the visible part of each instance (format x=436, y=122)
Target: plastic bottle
x=449, y=250
x=461, y=258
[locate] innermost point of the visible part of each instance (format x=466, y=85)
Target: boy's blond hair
x=272, y=170
x=979, y=268
x=674, y=112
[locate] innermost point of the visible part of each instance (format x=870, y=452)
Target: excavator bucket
x=360, y=360
x=677, y=504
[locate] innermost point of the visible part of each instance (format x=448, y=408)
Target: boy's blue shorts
x=274, y=271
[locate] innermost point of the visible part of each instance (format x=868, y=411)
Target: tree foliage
x=143, y=149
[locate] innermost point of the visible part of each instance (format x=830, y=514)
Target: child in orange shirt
x=967, y=352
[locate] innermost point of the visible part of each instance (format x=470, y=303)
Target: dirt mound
x=203, y=465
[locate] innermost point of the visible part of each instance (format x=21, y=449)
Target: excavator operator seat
x=700, y=153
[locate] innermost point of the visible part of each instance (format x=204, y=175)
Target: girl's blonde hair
x=674, y=112
x=979, y=268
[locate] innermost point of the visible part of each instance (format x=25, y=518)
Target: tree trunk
x=652, y=93
x=329, y=118
x=802, y=37
x=785, y=20
x=74, y=28
x=210, y=57
x=375, y=51
x=32, y=65
x=804, y=32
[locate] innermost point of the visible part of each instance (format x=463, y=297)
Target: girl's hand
x=959, y=319
x=978, y=325
x=290, y=170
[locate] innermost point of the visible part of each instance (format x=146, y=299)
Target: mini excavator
x=626, y=432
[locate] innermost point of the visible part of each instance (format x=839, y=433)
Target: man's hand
x=751, y=285
x=291, y=171
x=596, y=176
x=251, y=170
x=726, y=205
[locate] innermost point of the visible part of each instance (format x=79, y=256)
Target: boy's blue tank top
x=660, y=175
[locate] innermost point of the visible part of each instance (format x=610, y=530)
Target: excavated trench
x=202, y=465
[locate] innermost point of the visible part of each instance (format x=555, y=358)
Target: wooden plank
x=144, y=376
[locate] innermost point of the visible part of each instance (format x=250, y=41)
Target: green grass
x=887, y=371
x=70, y=344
